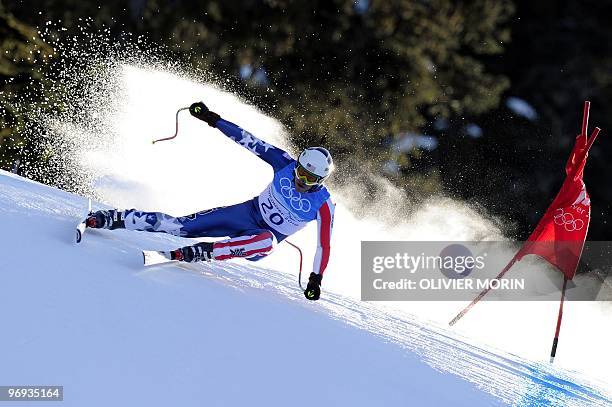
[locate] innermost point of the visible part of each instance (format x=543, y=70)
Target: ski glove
x=313, y=289
x=200, y=111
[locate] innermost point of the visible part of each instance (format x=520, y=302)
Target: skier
x=295, y=197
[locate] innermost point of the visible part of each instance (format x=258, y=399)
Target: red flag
x=559, y=236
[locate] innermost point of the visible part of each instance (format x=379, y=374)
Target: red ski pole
x=177, y=127
x=300, y=273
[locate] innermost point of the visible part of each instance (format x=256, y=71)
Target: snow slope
x=92, y=319
x=112, y=125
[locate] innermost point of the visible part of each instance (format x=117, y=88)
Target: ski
x=80, y=229
x=153, y=257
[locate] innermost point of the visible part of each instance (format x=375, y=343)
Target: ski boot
x=198, y=252
x=106, y=219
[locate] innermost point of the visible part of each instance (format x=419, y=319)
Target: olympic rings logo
x=297, y=202
x=567, y=220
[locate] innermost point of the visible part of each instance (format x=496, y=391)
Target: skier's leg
x=256, y=245
x=152, y=222
x=253, y=246
x=218, y=222
x=132, y=219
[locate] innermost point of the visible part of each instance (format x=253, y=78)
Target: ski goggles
x=306, y=176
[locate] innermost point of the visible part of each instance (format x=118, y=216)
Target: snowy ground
x=92, y=319
x=109, y=129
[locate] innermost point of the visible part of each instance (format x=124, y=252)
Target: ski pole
x=177, y=127
x=300, y=273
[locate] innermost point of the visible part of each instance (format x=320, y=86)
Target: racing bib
x=286, y=210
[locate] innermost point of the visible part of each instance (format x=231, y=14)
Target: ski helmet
x=314, y=165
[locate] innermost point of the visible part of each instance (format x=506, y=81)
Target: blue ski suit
x=253, y=227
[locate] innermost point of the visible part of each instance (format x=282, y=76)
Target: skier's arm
x=274, y=156
x=325, y=221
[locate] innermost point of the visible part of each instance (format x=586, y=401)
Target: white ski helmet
x=314, y=165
